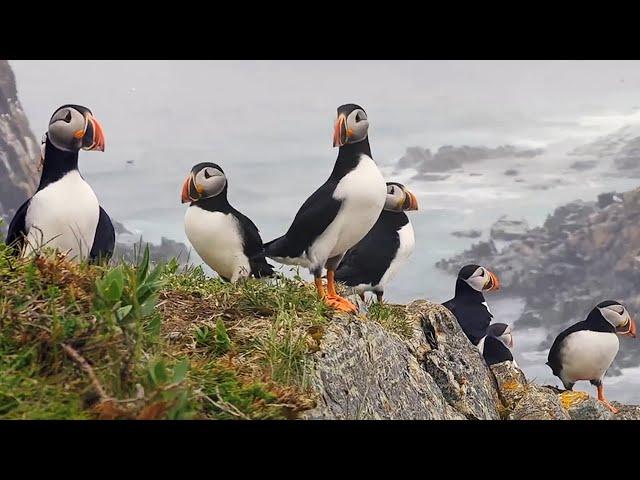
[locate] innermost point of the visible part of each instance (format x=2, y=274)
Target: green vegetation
x=84, y=341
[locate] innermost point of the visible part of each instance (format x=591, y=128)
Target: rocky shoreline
x=363, y=371
x=584, y=252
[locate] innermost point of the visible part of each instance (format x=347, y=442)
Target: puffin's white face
x=483, y=280
x=205, y=181
x=502, y=332
x=351, y=127
x=73, y=127
x=618, y=316
x=399, y=198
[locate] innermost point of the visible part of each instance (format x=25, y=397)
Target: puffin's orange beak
x=185, y=190
x=413, y=201
x=98, y=140
x=340, y=133
x=493, y=283
x=631, y=329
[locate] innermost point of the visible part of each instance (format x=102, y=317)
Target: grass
x=81, y=341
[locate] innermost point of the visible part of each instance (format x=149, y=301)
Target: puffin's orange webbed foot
x=606, y=403
x=610, y=407
x=338, y=303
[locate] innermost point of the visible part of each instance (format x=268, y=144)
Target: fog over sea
x=269, y=125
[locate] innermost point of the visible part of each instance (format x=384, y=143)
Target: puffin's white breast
x=405, y=249
x=586, y=355
x=217, y=238
x=63, y=215
x=362, y=192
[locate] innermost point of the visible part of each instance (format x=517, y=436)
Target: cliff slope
x=19, y=149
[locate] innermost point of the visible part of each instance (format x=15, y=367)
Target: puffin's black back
x=472, y=315
x=252, y=241
x=495, y=351
x=320, y=209
x=594, y=322
x=367, y=262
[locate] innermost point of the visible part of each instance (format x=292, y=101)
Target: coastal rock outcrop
x=363, y=371
x=585, y=252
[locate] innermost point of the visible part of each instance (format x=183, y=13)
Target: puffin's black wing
x=105, y=239
x=369, y=259
x=451, y=306
x=253, y=246
x=473, y=318
x=494, y=351
x=313, y=218
x=553, y=360
x=17, y=227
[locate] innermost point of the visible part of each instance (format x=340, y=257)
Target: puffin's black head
x=206, y=180
x=399, y=198
x=479, y=278
x=73, y=127
x=351, y=125
x=502, y=332
x=617, y=315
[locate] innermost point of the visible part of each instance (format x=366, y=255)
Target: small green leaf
x=180, y=371
x=223, y=342
x=159, y=373
x=123, y=312
x=148, y=306
x=112, y=285
x=143, y=266
x=153, y=327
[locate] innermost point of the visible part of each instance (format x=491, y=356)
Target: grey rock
x=364, y=372
x=454, y=363
x=450, y=157
x=627, y=412
x=472, y=233
x=582, y=165
x=509, y=229
x=589, y=409
x=19, y=149
x=539, y=403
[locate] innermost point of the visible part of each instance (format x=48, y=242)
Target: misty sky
x=251, y=105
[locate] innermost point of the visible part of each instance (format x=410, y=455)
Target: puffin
x=496, y=345
x=586, y=349
x=64, y=213
x=468, y=305
x=225, y=239
x=339, y=213
x=377, y=258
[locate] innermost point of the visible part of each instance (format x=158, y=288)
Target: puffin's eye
x=360, y=116
x=67, y=117
x=392, y=191
x=207, y=175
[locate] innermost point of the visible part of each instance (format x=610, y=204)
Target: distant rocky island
x=584, y=252
x=430, y=166
x=622, y=146
x=129, y=247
